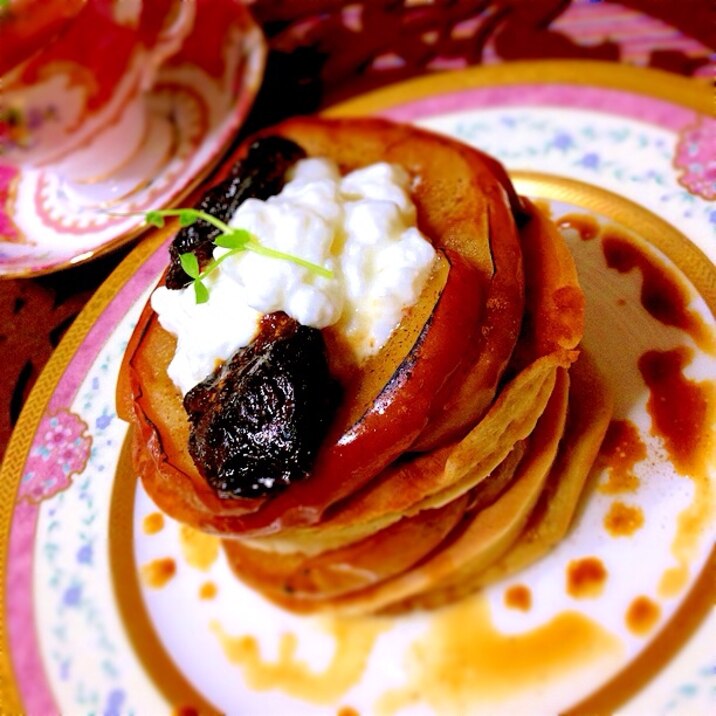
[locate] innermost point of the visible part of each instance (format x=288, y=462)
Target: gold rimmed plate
x=121, y=609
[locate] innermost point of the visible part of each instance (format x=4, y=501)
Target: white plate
x=88, y=633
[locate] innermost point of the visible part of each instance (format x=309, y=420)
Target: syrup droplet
x=158, y=572
x=200, y=550
x=674, y=580
x=153, y=523
x=586, y=226
x=642, y=615
x=347, y=711
x=623, y=520
x=518, y=596
x=207, y=590
x=586, y=577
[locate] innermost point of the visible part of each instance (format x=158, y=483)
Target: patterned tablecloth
x=326, y=50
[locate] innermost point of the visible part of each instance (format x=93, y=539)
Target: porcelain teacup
x=76, y=106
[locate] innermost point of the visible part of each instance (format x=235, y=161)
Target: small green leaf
x=201, y=292
x=187, y=217
x=237, y=239
x=190, y=264
x=225, y=241
x=233, y=239
x=155, y=218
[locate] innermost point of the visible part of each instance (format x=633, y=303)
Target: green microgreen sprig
x=234, y=239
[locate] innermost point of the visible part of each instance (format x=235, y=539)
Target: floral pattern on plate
x=696, y=159
x=63, y=452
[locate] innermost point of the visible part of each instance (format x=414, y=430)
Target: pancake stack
x=459, y=451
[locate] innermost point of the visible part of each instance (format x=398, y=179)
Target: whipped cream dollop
x=361, y=226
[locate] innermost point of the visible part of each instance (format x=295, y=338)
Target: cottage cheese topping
x=361, y=226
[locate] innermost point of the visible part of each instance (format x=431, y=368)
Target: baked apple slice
x=394, y=396
x=355, y=449
x=551, y=332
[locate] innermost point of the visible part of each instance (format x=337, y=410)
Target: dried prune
x=259, y=175
x=257, y=422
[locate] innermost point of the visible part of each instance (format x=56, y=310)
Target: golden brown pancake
x=488, y=474
x=347, y=569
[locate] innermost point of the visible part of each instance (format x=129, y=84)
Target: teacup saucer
x=194, y=110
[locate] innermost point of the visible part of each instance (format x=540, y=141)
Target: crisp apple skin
x=463, y=207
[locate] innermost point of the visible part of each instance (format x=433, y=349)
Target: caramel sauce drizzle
x=464, y=659
x=683, y=414
x=199, y=549
x=208, y=590
x=586, y=577
x=621, y=450
x=682, y=410
x=642, y=615
x=354, y=641
x=153, y=523
x=347, y=711
x=674, y=579
x=518, y=596
x=663, y=295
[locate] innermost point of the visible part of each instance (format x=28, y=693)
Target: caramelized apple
x=356, y=448
x=391, y=401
